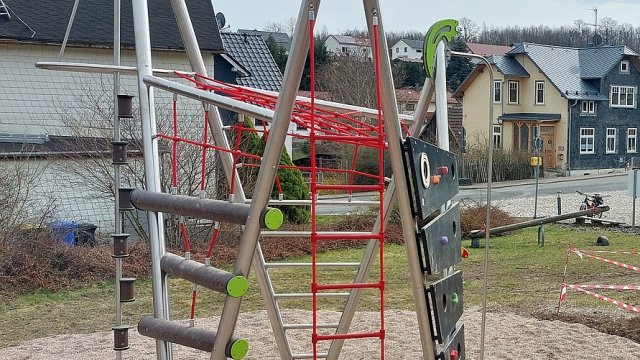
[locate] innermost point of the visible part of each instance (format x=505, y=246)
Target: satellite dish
x=220, y=20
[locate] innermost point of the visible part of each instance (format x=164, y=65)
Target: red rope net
x=313, y=124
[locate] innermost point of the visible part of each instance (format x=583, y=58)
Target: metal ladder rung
x=347, y=234
x=309, y=356
x=308, y=295
x=309, y=326
x=322, y=202
x=299, y=265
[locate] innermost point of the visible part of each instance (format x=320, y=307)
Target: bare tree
x=288, y=27
x=471, y=29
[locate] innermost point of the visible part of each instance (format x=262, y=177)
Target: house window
x=513, y=92
x=588, y=107
x=623, y=96
x=344, y=49
x=418, y=50
x=497, y=136
x=631, y=139
x=624, y=66
x=397, y=50
x=612, y=141
x=497, y=91
x=539, y=92
x=523, y=133
x=587, y=136
x=411, y=107
x=405, y=49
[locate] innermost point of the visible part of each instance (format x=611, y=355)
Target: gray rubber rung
x=309, y=356
x=304, y=265
x=308, y=295
x=309, y=326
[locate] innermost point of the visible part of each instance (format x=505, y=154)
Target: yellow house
x=581, y=103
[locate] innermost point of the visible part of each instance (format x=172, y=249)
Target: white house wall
x=32, y=101
x=36, y=101
x=398, y=52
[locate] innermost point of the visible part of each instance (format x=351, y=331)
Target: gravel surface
x=620, y=202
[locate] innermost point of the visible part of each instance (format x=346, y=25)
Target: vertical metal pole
x=197, y=64
x=390, y=196
x=215, y=124
x=68, y=31
x=151, y=167
x=394, y=136
x=268, y=170
x=116, y=167
x=442, y=118
x=559, y=201
x=442, y=112
x=633, y=213
x=485, y=266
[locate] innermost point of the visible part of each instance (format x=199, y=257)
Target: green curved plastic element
x=442, y=29
x=273, y=219
x=237, y=286
x=454, y=299
x=239, y=349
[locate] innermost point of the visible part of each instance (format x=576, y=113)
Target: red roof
x=407, y=95
x=487, y=49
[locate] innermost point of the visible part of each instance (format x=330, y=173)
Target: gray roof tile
x=414, y=44
x=280, y=38
x=93, y=24
x=252, y=52
x=508, y=65
x=569, y=69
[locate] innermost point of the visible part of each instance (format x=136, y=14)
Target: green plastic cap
x=454, y=299
x=239, y=349
x=273, y=218
x=237, y=286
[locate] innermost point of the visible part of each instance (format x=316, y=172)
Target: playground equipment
x=588, y=288
x=474, y=234
x=424, y=180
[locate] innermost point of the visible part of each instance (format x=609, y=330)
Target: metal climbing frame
x=398, y=188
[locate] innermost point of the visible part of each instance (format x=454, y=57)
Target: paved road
x=508, y=190
x=503, y=191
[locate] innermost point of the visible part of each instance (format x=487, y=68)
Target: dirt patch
x=628, y=328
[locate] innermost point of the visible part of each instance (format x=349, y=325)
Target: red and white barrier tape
x=605, y=287
x=620, y=304
x=600, y=258
x=632, y=252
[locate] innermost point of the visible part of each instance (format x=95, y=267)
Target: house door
x=548, y=136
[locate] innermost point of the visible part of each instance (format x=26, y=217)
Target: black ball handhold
x=602, y=241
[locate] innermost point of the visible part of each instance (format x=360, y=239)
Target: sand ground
x=508, y=336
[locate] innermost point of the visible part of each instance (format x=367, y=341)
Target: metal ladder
x=4, y=10
x=286, y=328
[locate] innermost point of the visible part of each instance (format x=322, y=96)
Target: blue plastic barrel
x=65, y=231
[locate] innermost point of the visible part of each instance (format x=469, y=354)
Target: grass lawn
x=522, y=277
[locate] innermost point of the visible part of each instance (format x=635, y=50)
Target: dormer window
x=624, y=66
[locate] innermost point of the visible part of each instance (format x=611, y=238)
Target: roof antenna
x=597, y=38
x=4, y=10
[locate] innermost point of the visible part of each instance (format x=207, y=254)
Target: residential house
x=487, y=49
x=344, y=45
x=407, y=49
x=280, y=38
x=41, y=109
x=581, y=103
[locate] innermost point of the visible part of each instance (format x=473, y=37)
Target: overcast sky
x=399, y=15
